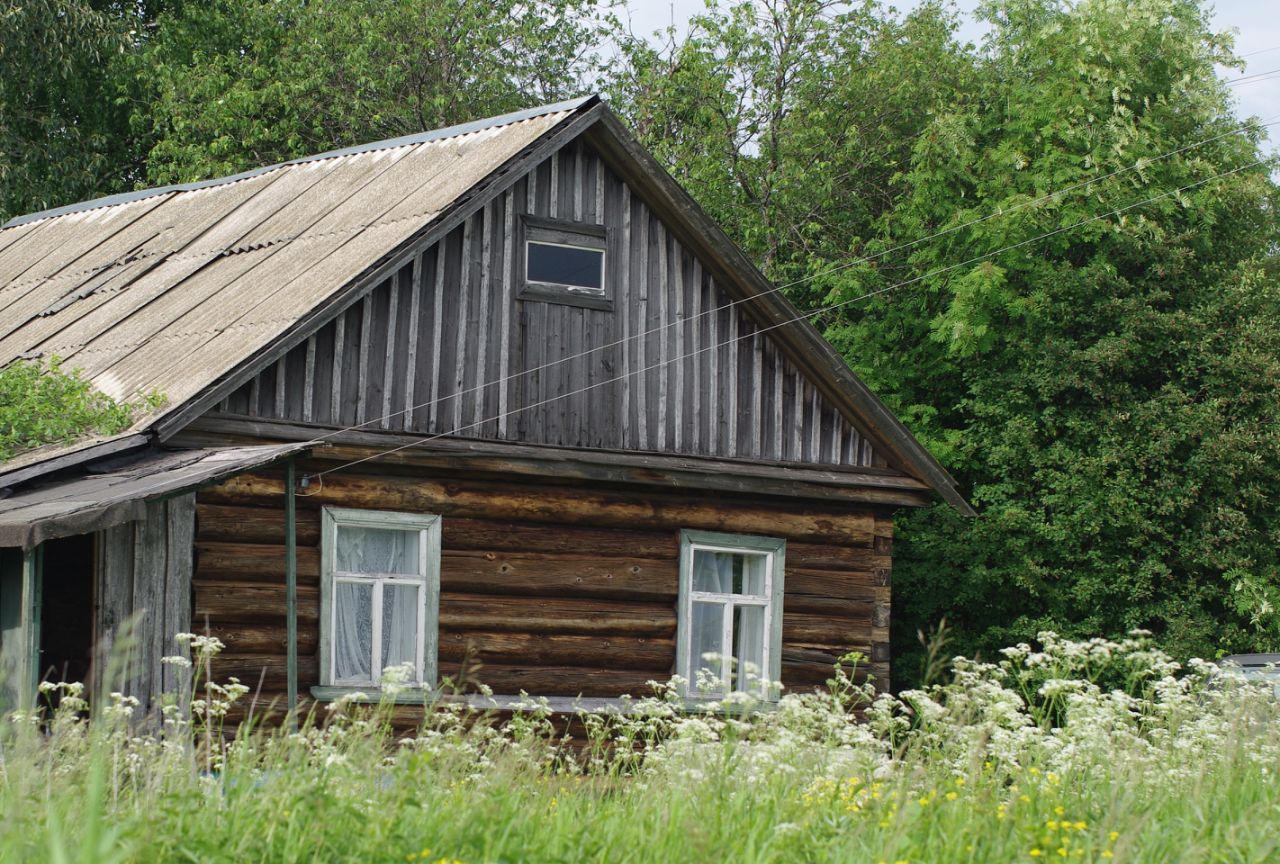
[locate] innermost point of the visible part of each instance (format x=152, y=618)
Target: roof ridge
x=385, y=144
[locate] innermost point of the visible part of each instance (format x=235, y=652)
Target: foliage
x=791, y=120
x=60, y=132
x=236, y=85
x=1107, y=394
x=1037, y=756
x=46, y=404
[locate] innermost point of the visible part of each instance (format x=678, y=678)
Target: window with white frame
x=380, y=595
x=729, y=623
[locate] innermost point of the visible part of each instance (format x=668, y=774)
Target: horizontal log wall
x=420, y=352
x=553, y=590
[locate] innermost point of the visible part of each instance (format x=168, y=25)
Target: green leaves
x=43, y=404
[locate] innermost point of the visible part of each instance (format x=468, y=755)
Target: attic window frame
x=559, y=232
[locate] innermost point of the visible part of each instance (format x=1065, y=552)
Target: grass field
x=1081, y=751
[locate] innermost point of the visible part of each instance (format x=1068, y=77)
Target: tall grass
x=1080, y=751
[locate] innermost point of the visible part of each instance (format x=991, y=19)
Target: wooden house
x=498, y=402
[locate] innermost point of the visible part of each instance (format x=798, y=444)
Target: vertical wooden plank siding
x=411, y=355
x=675, y=366
x=175, y=617
x=144, y=578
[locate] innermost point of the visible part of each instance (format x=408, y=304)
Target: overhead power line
x=319, y=475
x=1140, y=165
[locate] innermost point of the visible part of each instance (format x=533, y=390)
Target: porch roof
x=113, y=491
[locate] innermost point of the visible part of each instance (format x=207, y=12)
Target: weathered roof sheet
x=168, y=289
x=117, y=492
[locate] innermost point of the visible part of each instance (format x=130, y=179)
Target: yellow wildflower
x=1035, y=853
x=1113, y=835
x=1106, y=853
x=1081, y=825
x=951, y=796
x=1052, y=825
x=1060, y=810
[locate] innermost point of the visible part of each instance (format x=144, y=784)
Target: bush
x=1008, y=761
x=45, y=404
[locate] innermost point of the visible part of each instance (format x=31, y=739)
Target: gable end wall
x=421, y=352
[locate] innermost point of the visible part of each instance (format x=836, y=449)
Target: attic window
x=565, y=262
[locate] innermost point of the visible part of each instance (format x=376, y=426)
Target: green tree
x=240, y=84
x=61, y=130
x=792, y=121
x=1109, y=393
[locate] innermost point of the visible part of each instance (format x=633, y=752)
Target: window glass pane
x=713, y=571
x=376, y=550
x=706, y=638
x=565, y=265
x=400, y=606
x=748, y=647
x=750, y=575
x=353, y=632
x=728, y=572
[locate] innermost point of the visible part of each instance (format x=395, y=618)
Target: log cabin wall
x=436, y=331
x=556, y=590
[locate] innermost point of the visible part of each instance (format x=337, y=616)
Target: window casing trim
x=428, y=582
x=771, y=601
x=573, y=235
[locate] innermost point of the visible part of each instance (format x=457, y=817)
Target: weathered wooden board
x=852, y=527
x=551, y=574
x=144, y=576
x=552, y=649
x=630, y=377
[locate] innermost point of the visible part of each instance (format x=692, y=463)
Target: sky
x=1256, y=24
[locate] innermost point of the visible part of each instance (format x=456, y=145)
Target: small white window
x=565, y=262
x=380, y=594
x=729, y=626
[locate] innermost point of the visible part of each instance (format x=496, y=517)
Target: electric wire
x=1139, y=165
x=319, y=475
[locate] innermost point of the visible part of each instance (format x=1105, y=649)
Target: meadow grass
x=1080, y=751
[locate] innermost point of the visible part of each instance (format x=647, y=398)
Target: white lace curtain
x=375, y=551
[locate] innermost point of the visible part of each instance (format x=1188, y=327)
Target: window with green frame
x=379, y=597
x=729, y=621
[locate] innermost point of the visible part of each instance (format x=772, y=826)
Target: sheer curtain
x=713, y=571
x=353, y=632
x=735, y=574
x=376, y=552
x=400, y=605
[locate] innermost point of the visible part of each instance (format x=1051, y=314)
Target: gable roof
x=187, y=289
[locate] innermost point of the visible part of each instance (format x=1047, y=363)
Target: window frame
x=576, y=235
x=774, y=549
x=428, y=527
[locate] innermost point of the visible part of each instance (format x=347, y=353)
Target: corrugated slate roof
x=168, y=289
x=117, y=492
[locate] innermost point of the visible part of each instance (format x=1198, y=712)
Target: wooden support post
x=291, y=589
x=32, y=595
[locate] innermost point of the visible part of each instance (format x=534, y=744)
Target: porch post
x=31, y=603
x=291, y=588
